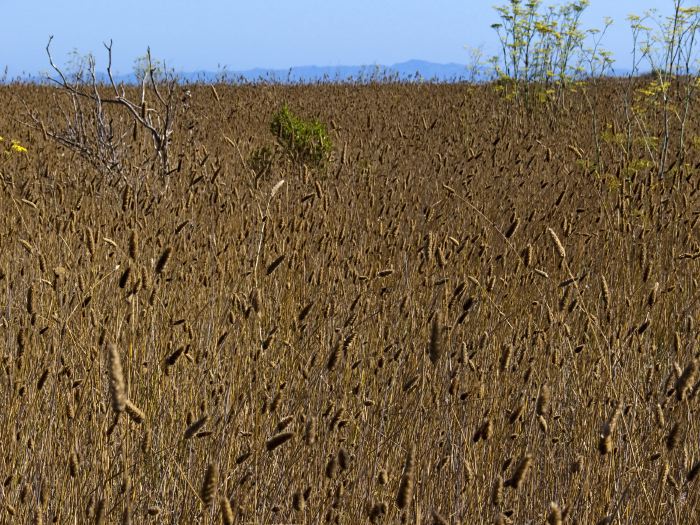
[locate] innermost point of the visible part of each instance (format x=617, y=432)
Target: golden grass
x=456, y=320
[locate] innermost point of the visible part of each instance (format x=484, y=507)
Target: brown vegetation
x=458, y=317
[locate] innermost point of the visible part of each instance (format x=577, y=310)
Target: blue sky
x=209, y=34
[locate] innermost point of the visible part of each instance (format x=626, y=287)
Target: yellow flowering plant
x=14, y=147
x=18, y=148
x=9, y=150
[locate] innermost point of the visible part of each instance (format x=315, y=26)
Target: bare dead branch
x=89, y=129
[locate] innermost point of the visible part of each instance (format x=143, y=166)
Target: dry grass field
x=457, y=320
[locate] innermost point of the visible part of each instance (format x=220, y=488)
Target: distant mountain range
x=412, y=70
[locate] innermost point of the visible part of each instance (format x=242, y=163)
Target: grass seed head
x=405, y=492
x=686, y=380
x=520, y=472
x=163, y=260
x=557, y=243
x=211, y=477
x=117, y=386
x=435, y=348
x=278, y=440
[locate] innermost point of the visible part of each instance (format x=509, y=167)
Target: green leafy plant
x=546, y=54
x=668, y=44
x=305, y=141
x=546, y=47
x=148, y=69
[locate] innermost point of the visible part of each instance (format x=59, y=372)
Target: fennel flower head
x=17, y=147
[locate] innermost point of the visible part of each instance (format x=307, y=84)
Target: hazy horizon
x=220, y=36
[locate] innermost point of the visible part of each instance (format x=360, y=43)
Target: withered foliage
x=454, y=190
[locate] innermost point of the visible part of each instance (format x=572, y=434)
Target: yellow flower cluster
x=15, y=146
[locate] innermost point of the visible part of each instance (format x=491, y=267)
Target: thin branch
x=99, y=142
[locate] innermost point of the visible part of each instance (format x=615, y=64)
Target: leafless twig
x=89, y=127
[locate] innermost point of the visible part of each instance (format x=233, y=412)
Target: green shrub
x=304, y=141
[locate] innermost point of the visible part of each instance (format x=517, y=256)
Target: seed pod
x=163, y=260
x=686, y=380
x=211, y=477
x=278, y=440
x=557, y=243
x=116, y=380
x=405, y=493
x=194, y=427
x=435, y=347
x=520, y=472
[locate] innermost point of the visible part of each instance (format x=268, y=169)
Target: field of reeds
x=475, y=311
